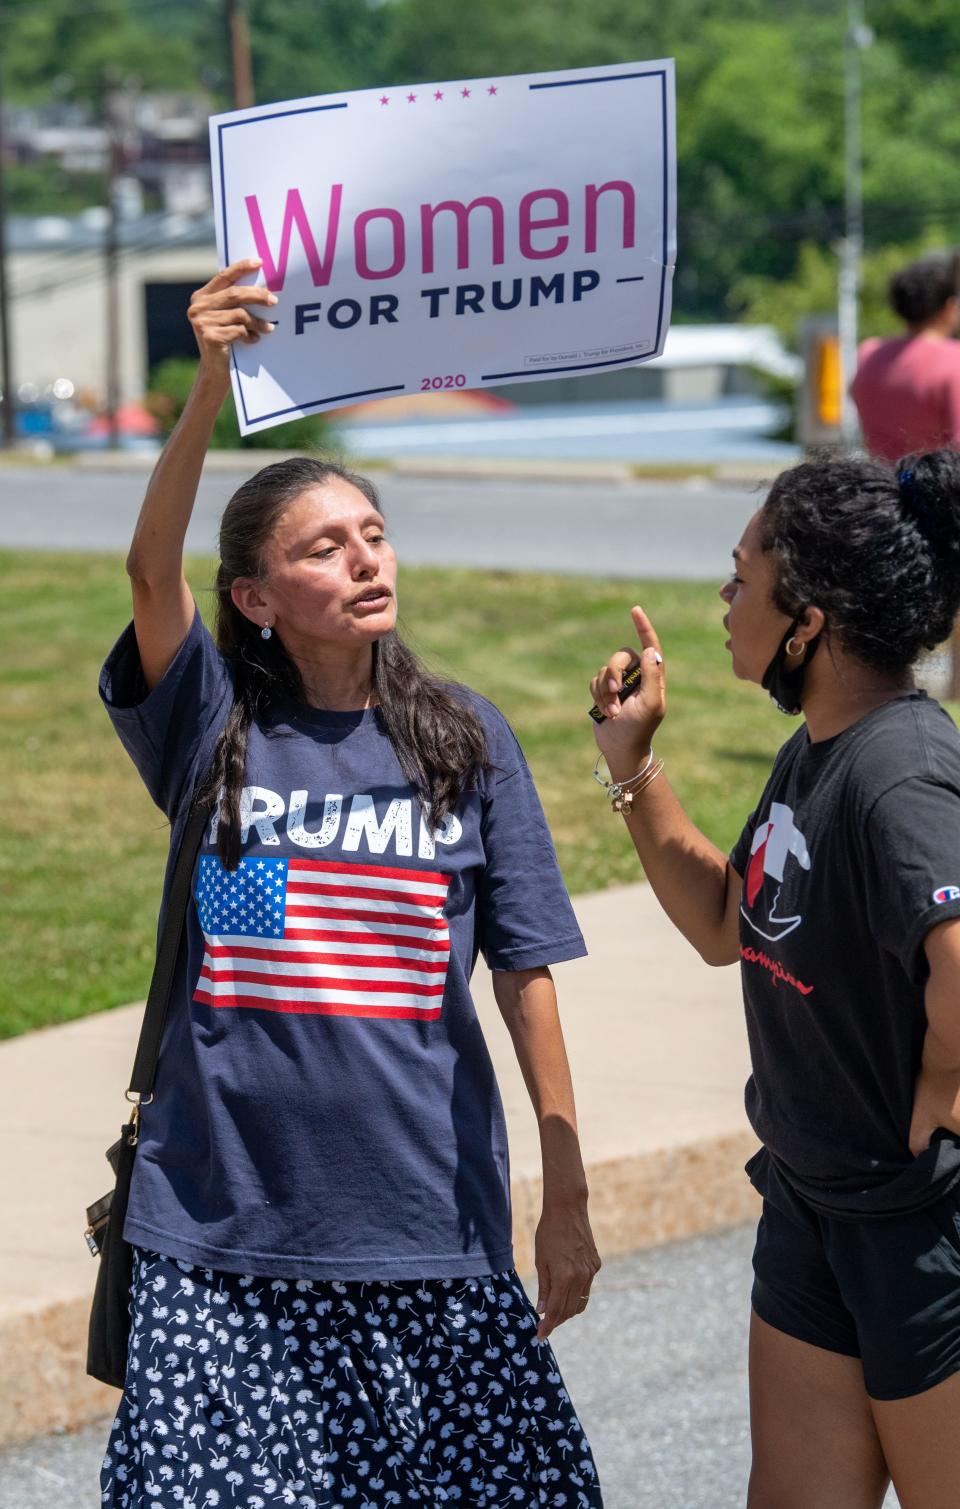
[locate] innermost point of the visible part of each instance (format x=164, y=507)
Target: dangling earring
x=266, y=632
x=794, y=653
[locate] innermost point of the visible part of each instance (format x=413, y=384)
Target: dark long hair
x=877, y=549
x=437, y=737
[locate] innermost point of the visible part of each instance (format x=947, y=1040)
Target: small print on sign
x=453, y=235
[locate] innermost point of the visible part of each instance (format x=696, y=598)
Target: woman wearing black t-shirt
x=841, y=901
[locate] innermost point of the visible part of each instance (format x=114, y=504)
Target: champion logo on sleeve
x=946, y=893
x=331, y=939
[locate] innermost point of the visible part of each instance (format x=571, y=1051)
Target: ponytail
x=877, y=550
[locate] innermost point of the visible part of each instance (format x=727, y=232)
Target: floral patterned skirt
x=244, y=1393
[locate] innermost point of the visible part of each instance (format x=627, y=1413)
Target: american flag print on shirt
x=323, y=937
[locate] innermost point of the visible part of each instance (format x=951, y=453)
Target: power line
x=139, y=236
x=41, y=261
x=86, y=273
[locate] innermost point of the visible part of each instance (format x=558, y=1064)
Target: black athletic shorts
x=886, y=1291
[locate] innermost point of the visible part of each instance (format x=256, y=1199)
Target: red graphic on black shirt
x=775, y=843
x=774, y=968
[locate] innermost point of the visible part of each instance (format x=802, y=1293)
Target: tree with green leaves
x=759, y=115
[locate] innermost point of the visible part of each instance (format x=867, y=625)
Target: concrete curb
x=649, y=1199
x=43, y=1386
x=436, y=467
x=494, y=469
x=747, y=475
x=145, y=461
x=635, y=1202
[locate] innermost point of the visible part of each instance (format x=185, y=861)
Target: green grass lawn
x=82, y=846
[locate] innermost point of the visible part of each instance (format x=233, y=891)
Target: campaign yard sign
x=457, y=235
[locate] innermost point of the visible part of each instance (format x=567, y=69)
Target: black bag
x=110, y=1313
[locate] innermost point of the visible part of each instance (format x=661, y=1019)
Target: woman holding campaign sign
x=324, y=1305
x=841, y=900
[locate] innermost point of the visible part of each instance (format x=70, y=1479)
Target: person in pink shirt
x=907, y=390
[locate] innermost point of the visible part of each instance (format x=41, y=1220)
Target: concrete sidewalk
x=658, y=1050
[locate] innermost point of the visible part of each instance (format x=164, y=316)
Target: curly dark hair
x=877, y=549
x=438, y=738
x=919, y=292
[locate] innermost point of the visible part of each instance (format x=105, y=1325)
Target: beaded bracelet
x=622, y=793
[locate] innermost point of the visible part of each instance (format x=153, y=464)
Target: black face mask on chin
x=783, y=679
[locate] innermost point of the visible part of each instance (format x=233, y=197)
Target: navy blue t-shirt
x=325, y=1105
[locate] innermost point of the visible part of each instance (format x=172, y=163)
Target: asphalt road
x=684, y=530
x=656, y=1368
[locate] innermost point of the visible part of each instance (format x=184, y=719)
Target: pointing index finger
x=646, y=633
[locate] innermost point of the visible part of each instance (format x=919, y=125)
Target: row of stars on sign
x=465, y=94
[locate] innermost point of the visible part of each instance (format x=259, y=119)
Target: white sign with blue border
x=433, y=237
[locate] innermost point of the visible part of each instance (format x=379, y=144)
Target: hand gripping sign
x=457, y=235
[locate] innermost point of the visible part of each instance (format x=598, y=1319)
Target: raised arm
x=693, y=879
x=162, y=602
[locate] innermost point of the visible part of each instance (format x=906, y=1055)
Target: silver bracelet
x=622, y=793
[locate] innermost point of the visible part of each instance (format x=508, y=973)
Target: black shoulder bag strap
x=168, y=951
x=109, y=1328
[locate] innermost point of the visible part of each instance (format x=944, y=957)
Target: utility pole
x=858, y=37
x=111, y=259
x=241, y=66
x=6, y=340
